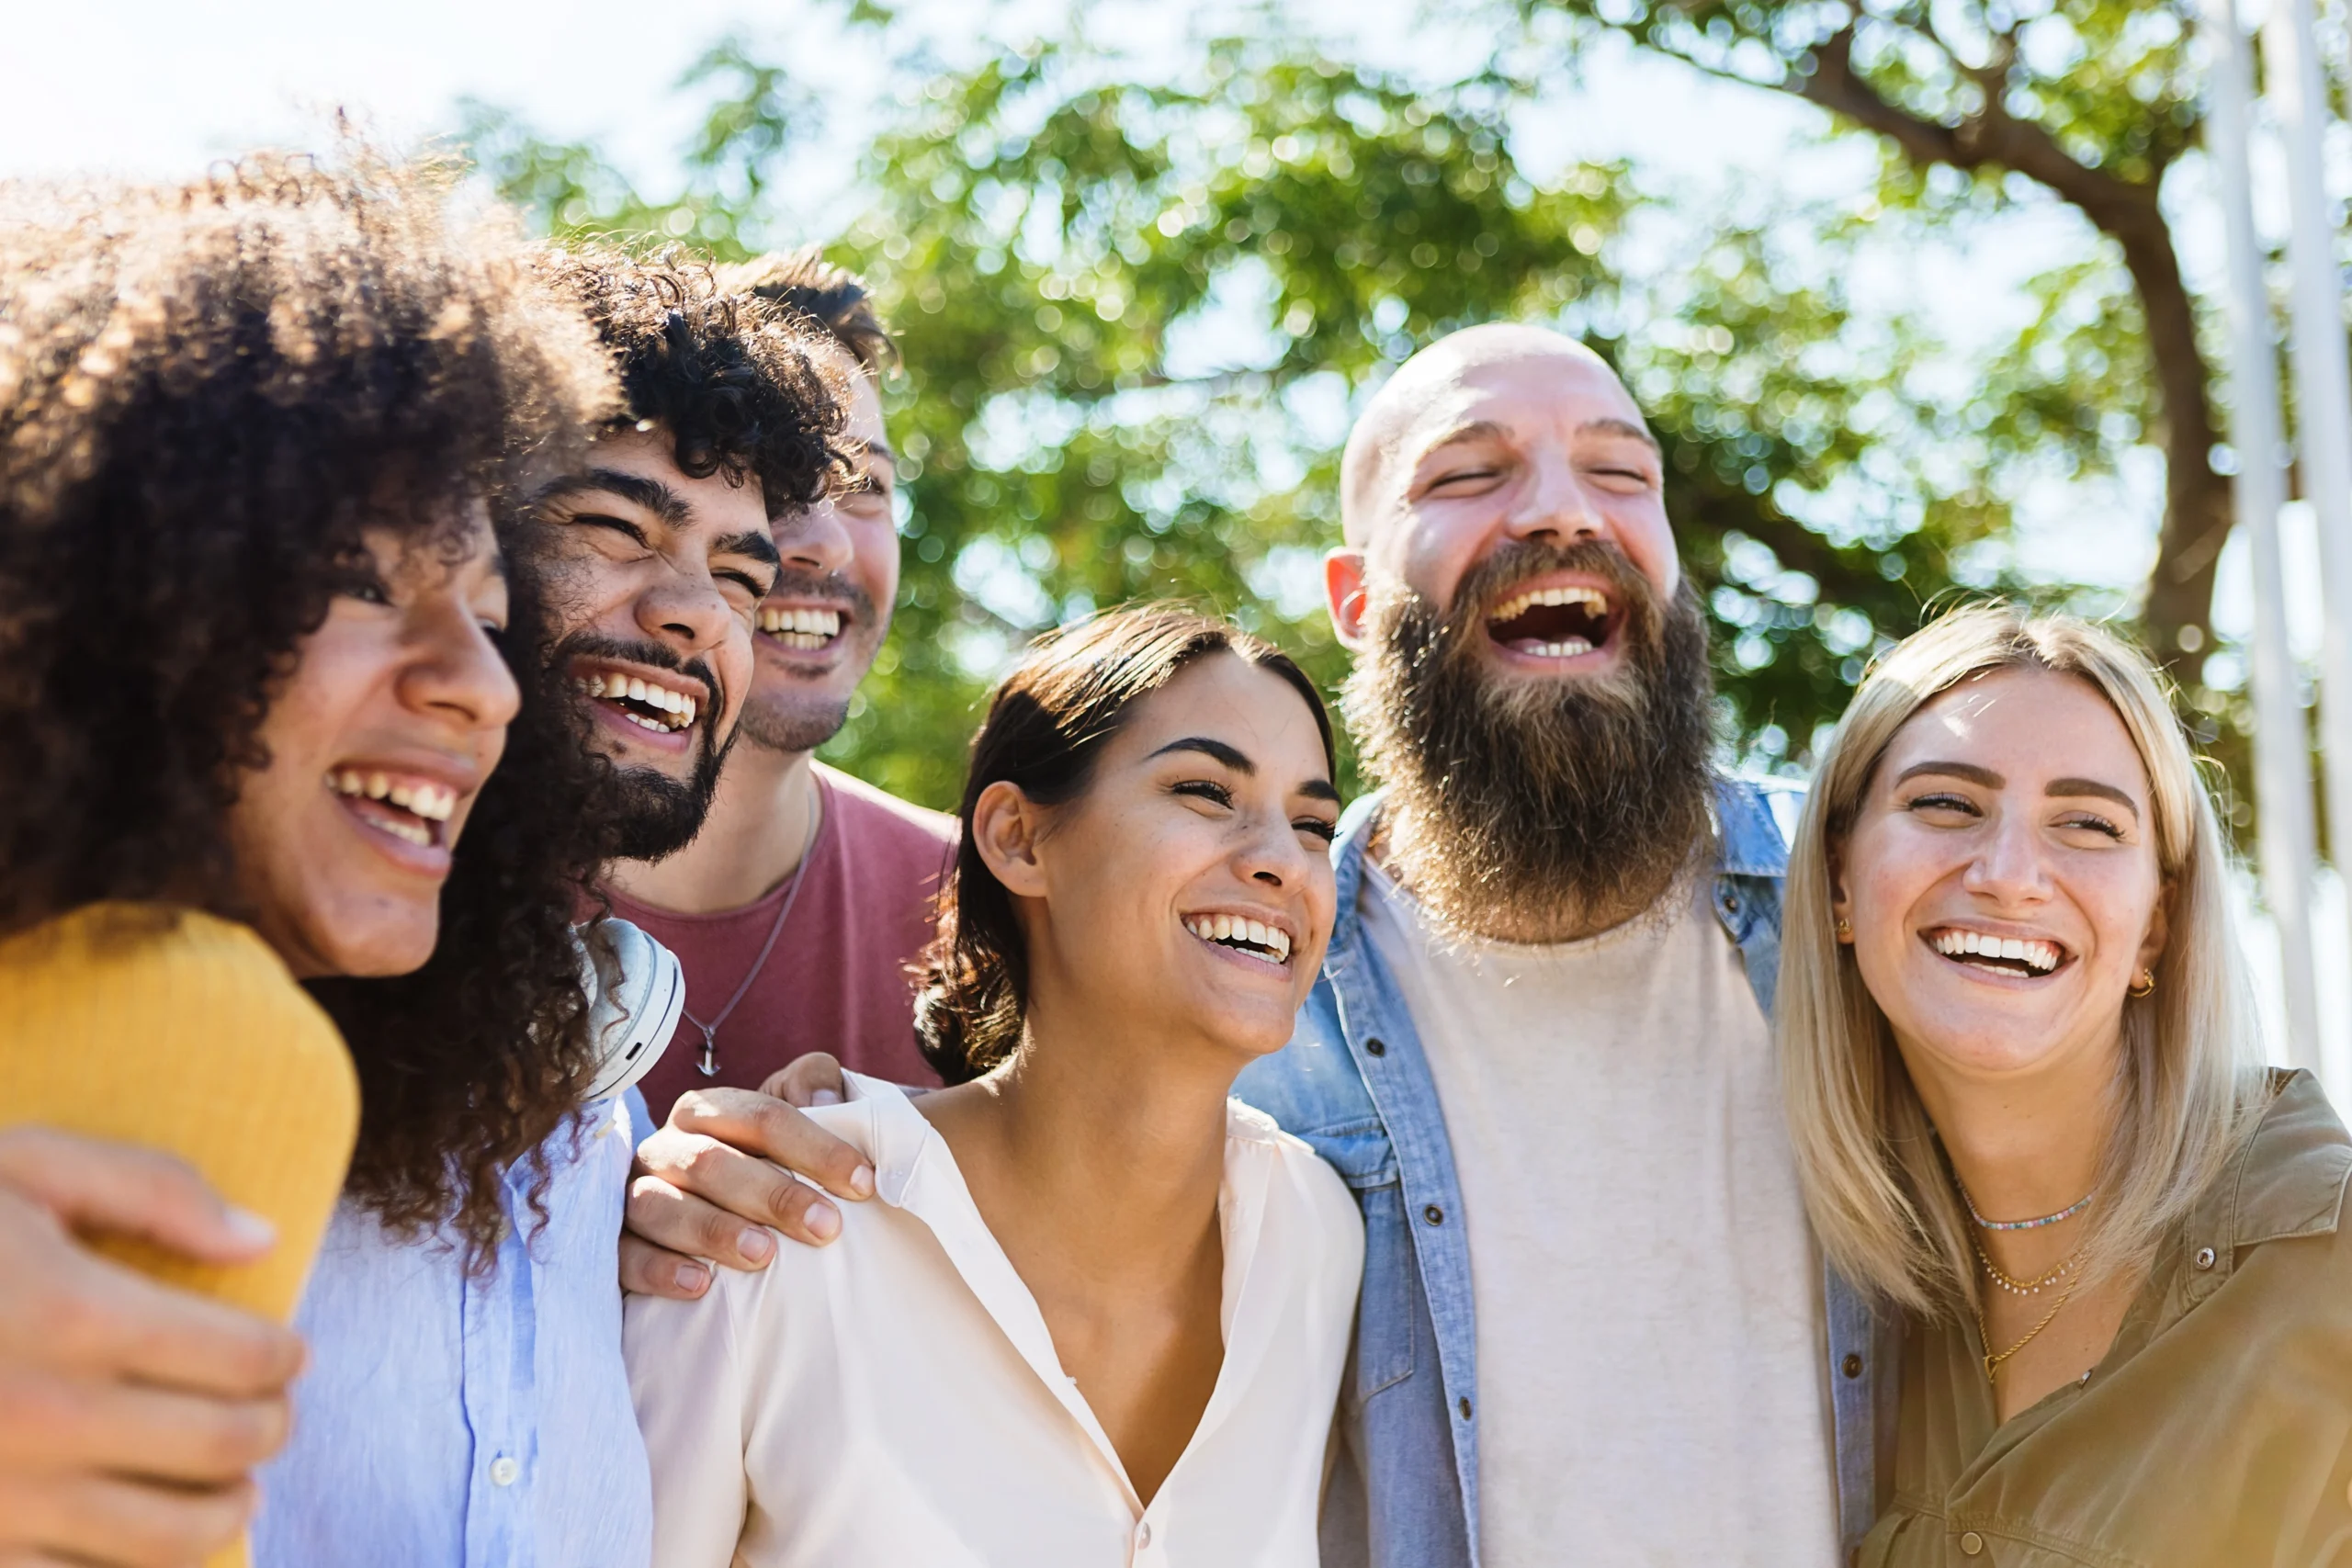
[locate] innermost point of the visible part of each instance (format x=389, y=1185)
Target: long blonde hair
x=2189, y=1084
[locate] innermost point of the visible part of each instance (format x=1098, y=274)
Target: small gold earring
x=2144, y=983
x=1845, y=930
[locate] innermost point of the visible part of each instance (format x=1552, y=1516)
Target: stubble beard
x=792, y=723
x=1533, y=810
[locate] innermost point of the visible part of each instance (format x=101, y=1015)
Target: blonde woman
x=2030, y=1113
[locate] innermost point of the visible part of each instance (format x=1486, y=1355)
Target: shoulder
x=195, y=973
x=879, y=815
x=1299, y=1180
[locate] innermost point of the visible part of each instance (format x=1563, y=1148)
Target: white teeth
x=618, y=687
x=801, y=628
x=2039, y=956
x=430, y=801
x=1569, y=648
x=1271, y=941
x=1591, y=599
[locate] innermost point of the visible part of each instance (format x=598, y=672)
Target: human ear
x=1841, y=905
x=1006, y=826
x=2152, y=946
x=1343, y=594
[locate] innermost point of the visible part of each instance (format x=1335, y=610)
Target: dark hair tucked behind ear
x=1048, y=724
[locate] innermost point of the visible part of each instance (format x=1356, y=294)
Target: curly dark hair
x=206, y=392
x=731, y=377
x=1047, y=724
x=836, y=299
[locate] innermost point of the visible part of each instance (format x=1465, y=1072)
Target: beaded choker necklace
x=2068, y=1213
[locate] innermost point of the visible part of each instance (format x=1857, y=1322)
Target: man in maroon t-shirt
x=798, y=910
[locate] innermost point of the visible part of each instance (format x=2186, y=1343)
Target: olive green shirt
x=2216, y=1433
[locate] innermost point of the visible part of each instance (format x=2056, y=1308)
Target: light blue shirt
x=1353, y=1083
x=450, y=1421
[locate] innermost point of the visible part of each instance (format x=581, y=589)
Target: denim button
x=1376, y=1047
x=1466, y=1407
x=1851, y=1366
x=1970, y=1543
x=1435, y=1214
x=2205, y=1257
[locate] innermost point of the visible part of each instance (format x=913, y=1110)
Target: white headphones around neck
x=633, y=1019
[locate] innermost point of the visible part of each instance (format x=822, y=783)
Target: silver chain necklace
x=706, y=1062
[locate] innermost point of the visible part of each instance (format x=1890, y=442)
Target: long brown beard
x=1529, y=809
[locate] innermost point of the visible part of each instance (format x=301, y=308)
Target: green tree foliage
x=1134, y=312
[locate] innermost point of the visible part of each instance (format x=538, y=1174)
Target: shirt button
x=1376, y=1047
x=1435, y=1214
x=1851, y=1366
x=504, y=1470
x=1970, y=1543
x=1466, y=1407
x=1143, y=1536
x=2205, y=1257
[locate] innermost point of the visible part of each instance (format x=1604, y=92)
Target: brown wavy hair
x=832, y=297
x=1047, y=724
x=205, y=389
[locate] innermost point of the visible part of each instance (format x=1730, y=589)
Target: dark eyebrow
x=1621, y=427
x=2092, y=786
x=1475, y=430
x=651, y=494
x=759, y=547
x=1968, y=770
x=1314, y=789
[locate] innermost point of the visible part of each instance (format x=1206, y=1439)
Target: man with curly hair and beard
x=467, y=1405
x=1593, y=1324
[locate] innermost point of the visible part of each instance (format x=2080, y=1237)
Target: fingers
x=650, y=1270
x=123, y=1524
x=812, y=1080
x=762, y=1125
x=59, y=1423
x=126, y=1192
x=691, y=1227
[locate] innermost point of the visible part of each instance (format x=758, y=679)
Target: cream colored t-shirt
x=895, y=1401
x=1652, y=1383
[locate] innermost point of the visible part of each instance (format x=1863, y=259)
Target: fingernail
x=754, y=1244
x=823, y=1223
x=250, y=1227
x=861, y=1181
x=824, y=1097
x=691, y=1277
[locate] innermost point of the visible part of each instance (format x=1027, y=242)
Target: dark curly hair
x=1047, y=724
x=205, y=390
x=834, y=298
x=731, y=377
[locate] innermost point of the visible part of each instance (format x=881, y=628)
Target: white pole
x=2281, y=745
x=2322, y=387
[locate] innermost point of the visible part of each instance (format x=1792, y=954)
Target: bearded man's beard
x=1532, y=810
x=648, y=814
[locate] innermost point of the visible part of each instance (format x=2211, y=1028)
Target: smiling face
x=1188, y=887
x=1508, y=440
x=653, y=579
x=824, y=621
x=2001, y=879
x=378, y=743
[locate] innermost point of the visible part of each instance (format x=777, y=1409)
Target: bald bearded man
x=1594, y=1327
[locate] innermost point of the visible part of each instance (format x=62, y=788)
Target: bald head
x=1435, y=395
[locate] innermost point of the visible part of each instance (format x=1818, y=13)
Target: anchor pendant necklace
x=706, y=1060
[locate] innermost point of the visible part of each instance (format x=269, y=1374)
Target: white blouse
x=894, y=1400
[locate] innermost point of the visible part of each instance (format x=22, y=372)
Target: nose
x=456, y=670
x=815, y=541
x=685, y=611
x=1271, y=856
x=1556, y=506
x=2008, y=867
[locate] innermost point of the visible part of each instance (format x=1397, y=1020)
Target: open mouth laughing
x=412, y=809
x=2022, y=958
x=651, y=705
x=802, y=628
x=1565, y=620
x=1266, y=943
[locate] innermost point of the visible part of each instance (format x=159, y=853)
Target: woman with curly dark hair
x=253, y=431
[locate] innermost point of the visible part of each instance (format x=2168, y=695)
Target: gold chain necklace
x=1992, y=1359
x=2034, y=1286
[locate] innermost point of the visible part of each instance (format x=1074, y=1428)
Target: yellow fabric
x=183, y=1032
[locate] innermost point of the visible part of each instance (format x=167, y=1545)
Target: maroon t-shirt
x=837, y=979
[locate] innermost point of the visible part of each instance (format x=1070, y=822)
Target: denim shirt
x=1353, y=1083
